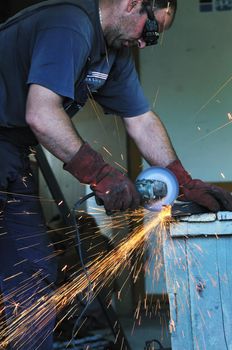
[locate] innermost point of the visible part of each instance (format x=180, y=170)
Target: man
x=51, y=59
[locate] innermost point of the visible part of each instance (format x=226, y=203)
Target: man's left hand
x=209, y=196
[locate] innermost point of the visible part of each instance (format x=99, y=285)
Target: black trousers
x=27, y=265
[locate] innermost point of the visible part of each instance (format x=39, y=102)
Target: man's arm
x=52, y=126
x=152, y=139
x=153, y=142
x=50, y=123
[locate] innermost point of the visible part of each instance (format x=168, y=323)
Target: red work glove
x=209, y=196
x=113, y=188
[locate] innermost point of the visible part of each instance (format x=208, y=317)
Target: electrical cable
x=80, y=252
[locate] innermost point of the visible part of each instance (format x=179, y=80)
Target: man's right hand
x=114, y=189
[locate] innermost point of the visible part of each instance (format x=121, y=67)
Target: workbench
x=198, y=268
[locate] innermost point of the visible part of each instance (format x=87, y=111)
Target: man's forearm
x=151, y=138
x=51, y=125
x=59, y=138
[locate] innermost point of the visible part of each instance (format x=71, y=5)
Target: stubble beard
x=113, y=38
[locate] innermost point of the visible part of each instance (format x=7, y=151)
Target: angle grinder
x=158, y=187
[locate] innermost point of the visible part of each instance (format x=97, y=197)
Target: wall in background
x=188, y=79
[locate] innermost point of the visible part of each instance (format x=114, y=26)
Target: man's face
x=127, y=28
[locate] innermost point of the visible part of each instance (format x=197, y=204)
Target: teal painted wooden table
x=198, y=267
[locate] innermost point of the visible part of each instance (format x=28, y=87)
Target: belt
x=20, y=136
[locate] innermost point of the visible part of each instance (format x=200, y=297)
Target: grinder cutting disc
x=158, y=187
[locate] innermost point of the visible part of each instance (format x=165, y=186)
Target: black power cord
x=80, y=253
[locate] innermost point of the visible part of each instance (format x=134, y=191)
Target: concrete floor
x=149, y=329
x=137, y=332
x=137, y=335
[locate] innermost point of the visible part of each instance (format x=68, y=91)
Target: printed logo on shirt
x=95, y=80
x=96, y=77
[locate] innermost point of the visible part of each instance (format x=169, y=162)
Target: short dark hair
x=160, y=4
x=156, y=5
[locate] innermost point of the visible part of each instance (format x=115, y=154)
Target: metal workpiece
x=197, y=257
x=205, y=224
x=208, y=217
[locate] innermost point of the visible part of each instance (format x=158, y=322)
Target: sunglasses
x=151, y=29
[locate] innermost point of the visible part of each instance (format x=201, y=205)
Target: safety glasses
x=151, y=28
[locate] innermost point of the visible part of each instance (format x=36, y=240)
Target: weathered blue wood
x=224, y=254
x=205, y=297
x=178, y=290
x=198, y=264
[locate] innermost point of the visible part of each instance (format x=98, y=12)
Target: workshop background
x=188, y=80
